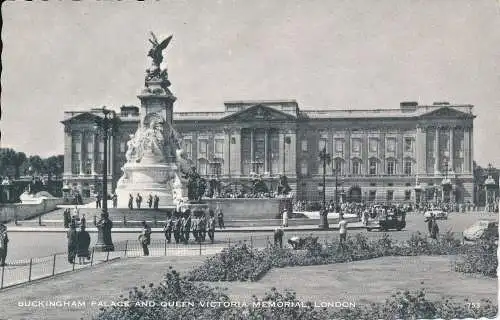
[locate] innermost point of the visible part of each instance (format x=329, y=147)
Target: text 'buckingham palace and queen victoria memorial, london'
x=409, y=153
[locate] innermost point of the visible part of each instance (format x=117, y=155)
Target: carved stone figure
x=156, y=51
x=196, y=185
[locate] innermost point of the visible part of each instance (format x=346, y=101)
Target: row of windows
x=389, y=196
x=356, y=165
x=356, y=144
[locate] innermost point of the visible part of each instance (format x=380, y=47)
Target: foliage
x=282, y=305
x=14, y=164
x=480, y=257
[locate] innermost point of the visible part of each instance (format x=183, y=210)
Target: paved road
x=27, y=245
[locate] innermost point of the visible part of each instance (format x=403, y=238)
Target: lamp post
x=490, y=185
x=106, y=125
x=335, y=171
x=325, y=158
x=446, y=183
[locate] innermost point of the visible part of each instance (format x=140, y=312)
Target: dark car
x=396, y=220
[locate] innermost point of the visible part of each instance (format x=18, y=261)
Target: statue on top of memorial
x=155, y=73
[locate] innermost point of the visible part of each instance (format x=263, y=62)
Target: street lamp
x=490, y=185
x=446, y=183
x=106, y=126
x=326, y=159
x=335, y=171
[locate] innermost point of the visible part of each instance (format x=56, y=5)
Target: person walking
x=114, y=198
x=130, y=201
x=72, y=242
x=202, y=224
x=177, y=227
x=83, y=243
x=83, y=221
x=211, y=226
x=167, y=229
x=220, y=218
x=98, y=201
x=278, y=236
x=150, y=201
x=67, y=217
x=76, y=215
x=145, y=238
x=285, y=218
x=342, y=230
x=4, y=240
x=195, y=228
x=138, y=201
x=156, y=201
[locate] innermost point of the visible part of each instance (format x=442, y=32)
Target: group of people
x=78, y=243
x=73, y=219
x=182, y=225
x=153, y=201
x=99, y=199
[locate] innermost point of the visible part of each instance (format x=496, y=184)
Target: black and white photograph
x=232, y=159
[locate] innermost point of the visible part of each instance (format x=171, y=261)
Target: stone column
x=451, y=164
x=81, y=152
x=292, y=154
x=235, y=156
x=471, y=146
x=95, y=152
x=347, y=152
x=227, y=152
x=436, y=151
x=68, y=150
x=364, y=154
x=281, y=157
x=252, y=156
x=266, y=154
x=111, y=159
x=381, y=153
x=421, y=150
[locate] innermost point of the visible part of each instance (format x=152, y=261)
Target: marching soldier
x=202, y=224
x=187, y=225
x=195, y=228
x=167, y=229
x=177, y=227
x=145, y=238
x=150, y=201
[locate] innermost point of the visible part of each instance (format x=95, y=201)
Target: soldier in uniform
x=130, y=201
x=187, y=226
x=202, y=224
x=167, y=229
x=220, y=218
x=211, y=226
x=177, y=223
x=195, y=228
x=145, y=238
x=150, y=201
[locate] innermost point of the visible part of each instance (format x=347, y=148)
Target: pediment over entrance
x=84, y=117
x=447, y=112
x=258, y=113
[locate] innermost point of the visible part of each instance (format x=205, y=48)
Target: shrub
x=480, y=257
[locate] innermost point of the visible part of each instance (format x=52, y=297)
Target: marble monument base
x=160, y=179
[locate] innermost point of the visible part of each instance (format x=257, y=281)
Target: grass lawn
x=369, y=281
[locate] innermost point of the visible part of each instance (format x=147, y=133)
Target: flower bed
x=239, y=263
x=279, y=305
x=480, y=258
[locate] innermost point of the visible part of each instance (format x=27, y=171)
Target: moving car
x=389, y=221
x=438, y=214
x=482, y=229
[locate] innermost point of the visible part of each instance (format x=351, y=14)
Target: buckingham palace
x=408, y=153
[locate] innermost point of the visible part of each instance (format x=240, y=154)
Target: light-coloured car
x=439, y=214
x=482, y=229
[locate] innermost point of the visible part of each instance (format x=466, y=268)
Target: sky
x=61, y=56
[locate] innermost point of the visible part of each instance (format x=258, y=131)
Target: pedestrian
x=72, y=242
x=167, y=229
x=187, y=226
x=156, y=201
x=67, y=217
x=76, y=215
x=4, y=240
x=145, y=238
x=177, y=227
x=365, y=217
x=130, y=201
x=342, y=229
x=278, y=236
x=138, y=201
x=211, y=226
x=83, y=221
x=83, y=243
x=98, y=201
x=150, y=201
x=115, y=200
x=195, y=228
x=285, y=218
x=220, y=218
x=202, y=224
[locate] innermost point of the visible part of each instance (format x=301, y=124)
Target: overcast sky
x=66, y=55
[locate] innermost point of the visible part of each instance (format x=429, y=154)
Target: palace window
x=373, y=143
x=203, y=144
x=339, y=145
x=356, y=145
x=304, y=145
x=408, y=144
x=356, y=167
x=219, y=147
x=322, y=144
x=373, y=166
x=75, y=166
x=101, y=147
x=391, y=167
x=188, y=146
x=408, y=167
x=203, y=167
x=407, y=195
x=123, y=147
x=338, y=166
x=90, y=147
x=303, y=168
x=391, y=144
x=390, y=195
x=372, y=195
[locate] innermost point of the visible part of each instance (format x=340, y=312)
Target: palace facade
x=409, y=153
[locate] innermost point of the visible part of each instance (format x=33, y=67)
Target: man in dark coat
x=187, y=226
x=83, y=243
x=156, y=201
x=150, y=201
x=167, y=229
x=145, y=238
x=138, y=201
x=211, y=226
x=177, y=227
x=83, y=221
x=67, y=217
x=130, y=201
x=72, y=243
x=220, y=218
x=4, y=240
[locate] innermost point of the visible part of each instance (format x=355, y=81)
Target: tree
x=19, y=160
x=7, y=161
x=54, y=165
x=37, y=165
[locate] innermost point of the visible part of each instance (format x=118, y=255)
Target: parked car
x=482, y=229
x=396, y=220
x=439, y=214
